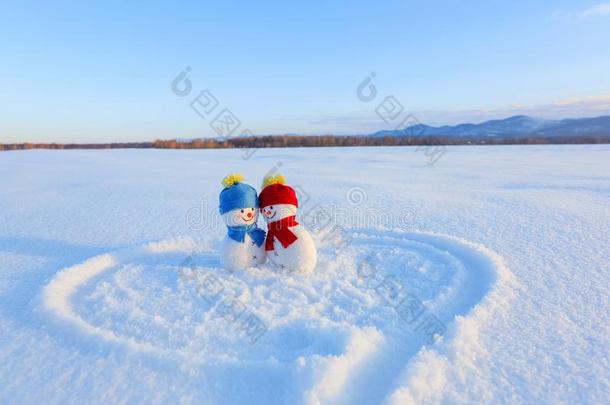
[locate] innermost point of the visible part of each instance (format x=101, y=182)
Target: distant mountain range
x=517, y=126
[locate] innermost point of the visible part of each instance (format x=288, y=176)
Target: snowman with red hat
x=243, y=246
x=289, y=246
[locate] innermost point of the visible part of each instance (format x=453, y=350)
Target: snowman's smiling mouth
x=271, y=216
x=247, y=219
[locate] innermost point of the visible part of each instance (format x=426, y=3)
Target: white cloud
x=573, y=107
x=595, y=102
x=598, y=10
x=595, y=11
x=366, y=121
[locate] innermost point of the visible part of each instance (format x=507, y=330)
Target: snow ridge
x=331, y=332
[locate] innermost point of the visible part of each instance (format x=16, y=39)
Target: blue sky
x=78, y=72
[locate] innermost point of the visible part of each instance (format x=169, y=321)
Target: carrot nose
x=249, y=215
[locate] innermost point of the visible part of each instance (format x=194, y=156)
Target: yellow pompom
x=231, y=179
x=277, y=179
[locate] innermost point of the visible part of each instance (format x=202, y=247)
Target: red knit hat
x=276, y=192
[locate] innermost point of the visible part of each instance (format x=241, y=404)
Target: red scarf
x=280, y=230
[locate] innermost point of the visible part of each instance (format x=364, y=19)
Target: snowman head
x=238, y=202
x=241, y=216
x=277, y=200
x=273, y=213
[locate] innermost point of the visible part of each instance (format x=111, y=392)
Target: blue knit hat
x=236, y=194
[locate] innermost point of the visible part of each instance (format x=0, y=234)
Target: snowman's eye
x=242, y=211
x=271, y=207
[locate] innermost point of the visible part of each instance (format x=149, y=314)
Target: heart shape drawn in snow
x=365, y=315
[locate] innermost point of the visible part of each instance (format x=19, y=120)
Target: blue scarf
x=238, y=233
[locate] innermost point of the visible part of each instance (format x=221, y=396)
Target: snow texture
x=483, y=278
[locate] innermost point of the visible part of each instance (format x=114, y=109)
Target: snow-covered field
x=482, y=278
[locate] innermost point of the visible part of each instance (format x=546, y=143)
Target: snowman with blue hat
x=244, y=244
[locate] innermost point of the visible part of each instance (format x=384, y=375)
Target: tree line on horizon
x=293, y=141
